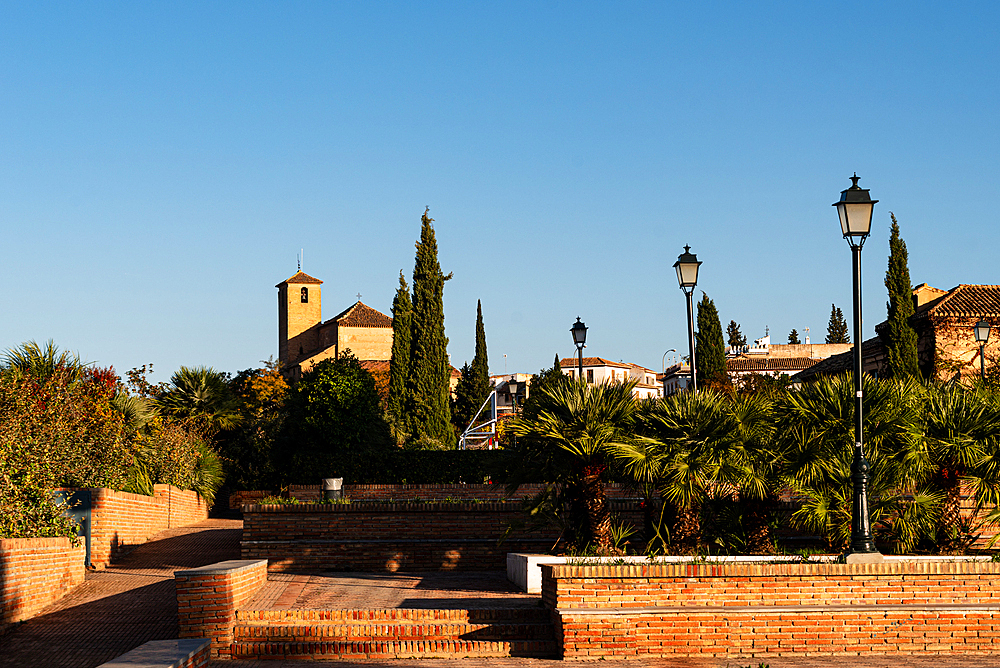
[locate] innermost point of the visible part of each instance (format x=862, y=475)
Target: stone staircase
x=393, y=633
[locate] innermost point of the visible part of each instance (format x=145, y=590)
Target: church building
x=304, y=339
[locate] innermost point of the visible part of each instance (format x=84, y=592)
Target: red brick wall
x=120, y=520
x=774, y=609
x=208, y=597
x=372, y=536
x=35, y=572
x=477, y=492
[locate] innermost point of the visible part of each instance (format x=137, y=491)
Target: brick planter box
x=896, y=607
x=367, y=536
x=208, y=598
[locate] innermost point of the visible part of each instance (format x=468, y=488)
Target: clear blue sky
x=161, y=165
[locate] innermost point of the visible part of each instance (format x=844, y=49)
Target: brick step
x=357, y=632
x=398, y=616
x=413, y=649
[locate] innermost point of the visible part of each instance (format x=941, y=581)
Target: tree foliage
x=428, y=414
x=836, y=328
x=710, y=350
x=474, y=384
x=900, y=337
x=793, y=337
x=734, y=336
x=399, y=366
x=334, y=420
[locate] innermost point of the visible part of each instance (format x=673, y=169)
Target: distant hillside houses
x=598, y=370
x=946, y=345
x=776, y=359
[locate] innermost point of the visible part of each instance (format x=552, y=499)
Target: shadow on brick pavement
x=120, y=608
x=867, y=661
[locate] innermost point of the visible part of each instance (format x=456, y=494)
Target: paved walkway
x=368, y=591
x=122, y=607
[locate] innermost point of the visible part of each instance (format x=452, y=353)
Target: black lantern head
x=687, y=269
x=982, y=331
x=855, y=208
x=579, y=331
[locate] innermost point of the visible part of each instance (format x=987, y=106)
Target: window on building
x=570, y=373
x=590, y=375
x=305, y=295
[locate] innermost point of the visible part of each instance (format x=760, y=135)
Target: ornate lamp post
x=687, y=277
x=579, y=331
x=855, y=208
x=982, y=329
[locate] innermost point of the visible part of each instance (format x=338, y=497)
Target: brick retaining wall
x=896, y=607
x=371, y=536
x=121, y=520
x=400, y=492
x=208, y=598
x=35, y=572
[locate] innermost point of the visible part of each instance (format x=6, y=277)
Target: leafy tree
x=735, y=338
x=576, y=429
x=200, y=396
x=399, y=366
x=428, y=414
x=246, y=451
x=710, y=351
x=900, y=337
x=836, y=329
x=335, y=425
x=793, y=337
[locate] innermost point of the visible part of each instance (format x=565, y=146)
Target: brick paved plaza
x=122, y=607
x=134, y=602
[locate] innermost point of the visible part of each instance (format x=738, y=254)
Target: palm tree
x=43, y=362
x=816, y=428
x=696, y=447
x=200, y=396
x=578, y=427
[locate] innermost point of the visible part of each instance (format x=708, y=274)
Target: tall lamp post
x=982, y=336
x=855, y=208
x=579, y=331
x=687, y=277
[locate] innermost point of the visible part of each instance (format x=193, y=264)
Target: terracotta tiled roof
x=301, y=277
x=837, y=363
x=361, y=315
x=762, y=364
x=971, y=301
x=573, y=362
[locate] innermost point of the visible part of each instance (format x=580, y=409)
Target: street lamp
x=512, y=387
x=687, y=277
x=855, y=209
x=579, y=331
x=982, y=336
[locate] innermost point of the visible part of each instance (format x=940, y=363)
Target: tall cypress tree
x=710, y=348
x=428, y=410
x=474, y=385
x=399, y=366
x=901, y=339
x=793, y=337
x=836, y=329
x=481, y=362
